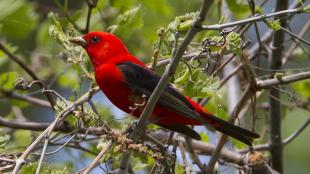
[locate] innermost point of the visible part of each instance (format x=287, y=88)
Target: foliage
x=37, y=33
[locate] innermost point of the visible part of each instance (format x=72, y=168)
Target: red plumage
x=124, y=80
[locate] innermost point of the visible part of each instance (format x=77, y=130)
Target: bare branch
x=275, y=109
x=26, y=98
x=264, y=84
x=252, y=19
x=96, y=161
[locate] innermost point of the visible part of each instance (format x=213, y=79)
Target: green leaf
x=18, y=18
x=31, y=168
x=123, y=5
x=4, y=139
x=259, y=10
x=307, y=7
x=302, y=88
x=195, y=83
x=239, y=8
x=204, y=137
x=182, y=23
x=275, y=25
x=130, y=20
x=234, y=42
x=7, y=80
x=56, y=31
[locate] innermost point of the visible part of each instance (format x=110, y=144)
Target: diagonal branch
x=26, y=68
x=21, y=160
x=164, y=81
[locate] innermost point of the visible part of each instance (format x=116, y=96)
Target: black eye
x=95, y=39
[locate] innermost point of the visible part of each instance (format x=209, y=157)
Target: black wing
x=144, y=81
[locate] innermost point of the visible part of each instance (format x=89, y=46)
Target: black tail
x=229, y=129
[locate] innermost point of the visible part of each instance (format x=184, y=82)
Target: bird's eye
x=95, y=39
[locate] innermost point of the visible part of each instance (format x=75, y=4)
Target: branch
x=26, y=68
x=296, y=36
x=203, y=148
x=295, y=44
x=252, y=19
x=26, y=98
x=264, y=84
x=21, y=160
x=199, y=147
x=96, y=161
x=223, y=138
x=254, y=50
x=164, y=80
x=262, y=147
x=19, y=62
x=274, y=102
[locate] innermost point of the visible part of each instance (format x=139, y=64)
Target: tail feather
x=231, y=130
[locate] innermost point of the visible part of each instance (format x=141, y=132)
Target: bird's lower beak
x=79, y=41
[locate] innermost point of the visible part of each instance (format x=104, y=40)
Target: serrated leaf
x=195, y=83
x=234, y=42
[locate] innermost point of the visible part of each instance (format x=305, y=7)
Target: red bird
x=127, y=81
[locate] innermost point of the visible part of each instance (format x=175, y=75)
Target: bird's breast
x=111, y=81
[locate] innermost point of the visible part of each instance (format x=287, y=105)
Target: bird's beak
x=79, y=41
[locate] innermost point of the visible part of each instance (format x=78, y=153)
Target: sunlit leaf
x=7, y=80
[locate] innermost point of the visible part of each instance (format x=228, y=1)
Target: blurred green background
x=25, y=28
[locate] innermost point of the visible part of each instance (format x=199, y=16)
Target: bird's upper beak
x=79, y=41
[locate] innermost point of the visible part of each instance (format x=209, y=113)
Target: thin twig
x=186, y=166
x=296, y=36
x=252, y=19
x=96, y=161
x=286, y=141
x=26, y=98
x=295, y=44
x=21, y=160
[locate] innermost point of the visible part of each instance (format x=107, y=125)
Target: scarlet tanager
x=127, y=81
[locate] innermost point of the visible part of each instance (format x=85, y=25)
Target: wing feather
x=144, y=81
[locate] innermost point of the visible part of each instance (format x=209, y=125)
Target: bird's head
x=101, y=47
